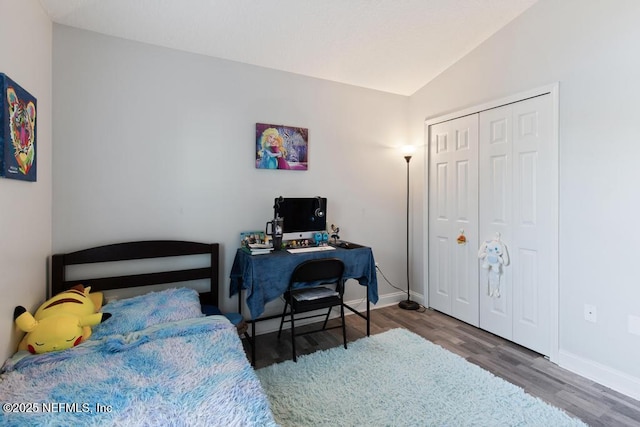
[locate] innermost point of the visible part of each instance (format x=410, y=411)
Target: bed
x=157, y=361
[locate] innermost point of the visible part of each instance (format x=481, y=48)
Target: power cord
x=422, y=307
x=387, y=280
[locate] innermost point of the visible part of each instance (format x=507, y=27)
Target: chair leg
x=326, y=319
x=293, y=336
x=344, y=326
x=286, y=304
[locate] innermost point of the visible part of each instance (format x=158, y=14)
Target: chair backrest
x=323, y=270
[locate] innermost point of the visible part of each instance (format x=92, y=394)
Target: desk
x=265, y=277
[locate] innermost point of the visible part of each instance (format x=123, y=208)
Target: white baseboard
x=605, y=375
x=396, y=297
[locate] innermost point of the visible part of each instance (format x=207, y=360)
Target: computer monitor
x=303, y=216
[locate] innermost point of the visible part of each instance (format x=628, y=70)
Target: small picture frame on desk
x=251, y=237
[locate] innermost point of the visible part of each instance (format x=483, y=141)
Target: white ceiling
x=394, y=46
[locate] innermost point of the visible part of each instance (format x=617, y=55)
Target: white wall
x=590, y=48
x=25, y=208
x=156, y=143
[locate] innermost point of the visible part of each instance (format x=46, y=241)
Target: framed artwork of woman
x=281, y=147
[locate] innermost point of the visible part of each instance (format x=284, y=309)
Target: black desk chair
x=324, y=290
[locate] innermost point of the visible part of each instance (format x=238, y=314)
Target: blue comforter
x=188, y=372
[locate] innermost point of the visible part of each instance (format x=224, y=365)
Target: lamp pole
x=408, y=304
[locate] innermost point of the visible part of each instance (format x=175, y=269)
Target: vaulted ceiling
x=394, y=46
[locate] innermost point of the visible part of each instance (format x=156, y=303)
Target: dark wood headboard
x=137, y=251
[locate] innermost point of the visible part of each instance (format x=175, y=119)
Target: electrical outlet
x=634, y=324
x=590, y=313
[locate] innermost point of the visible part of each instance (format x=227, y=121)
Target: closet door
x=453, y=211
x=517, y=183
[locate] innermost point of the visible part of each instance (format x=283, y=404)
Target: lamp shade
x=407, y=150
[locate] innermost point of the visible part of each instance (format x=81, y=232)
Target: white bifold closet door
x=516, y=184
x=493, y=172
x=453, y=211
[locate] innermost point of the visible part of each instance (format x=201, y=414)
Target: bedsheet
x=188, y=372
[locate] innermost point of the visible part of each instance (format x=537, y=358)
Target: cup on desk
x=277, y=225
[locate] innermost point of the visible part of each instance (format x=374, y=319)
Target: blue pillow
x=140, y=312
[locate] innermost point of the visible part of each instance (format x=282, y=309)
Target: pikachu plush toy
x=62, y=322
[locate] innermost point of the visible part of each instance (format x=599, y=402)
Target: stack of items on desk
x=254, y=242
x=258, y=248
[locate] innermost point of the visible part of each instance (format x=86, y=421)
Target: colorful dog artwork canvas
x=18, y=133
x=281, y=147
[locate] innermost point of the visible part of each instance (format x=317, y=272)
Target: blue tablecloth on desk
x=266, y=277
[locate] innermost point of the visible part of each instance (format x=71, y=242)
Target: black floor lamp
x=408, y=304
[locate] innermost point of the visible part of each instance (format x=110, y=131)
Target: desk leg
x=252, y=338
x=253, y=343
x=368, y=314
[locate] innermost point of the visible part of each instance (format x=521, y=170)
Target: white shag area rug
x=398, y=378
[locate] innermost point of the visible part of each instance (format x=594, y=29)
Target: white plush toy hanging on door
x=494, y=255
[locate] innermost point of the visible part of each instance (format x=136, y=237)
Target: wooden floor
x=593, y=403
